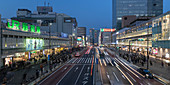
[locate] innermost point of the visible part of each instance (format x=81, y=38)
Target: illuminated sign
x=155, y=51
x=141, y=39
x=107, y=30
x=79, y=38
x=34, y=44
x=16, y=25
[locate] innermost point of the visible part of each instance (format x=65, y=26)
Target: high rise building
x=60, y=22
x=81, y=33
x=94, y=36
x=134, y=7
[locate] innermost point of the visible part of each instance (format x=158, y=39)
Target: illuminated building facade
x=155, y=31
x=23, y=42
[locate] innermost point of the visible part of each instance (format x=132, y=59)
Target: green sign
x=141, y=39
x=16, y=25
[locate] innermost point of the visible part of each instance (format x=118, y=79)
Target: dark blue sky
x=89, y=13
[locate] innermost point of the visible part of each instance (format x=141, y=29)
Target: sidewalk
x=156, y=68
x=30, y=71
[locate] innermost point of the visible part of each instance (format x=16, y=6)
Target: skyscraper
x=134, y=7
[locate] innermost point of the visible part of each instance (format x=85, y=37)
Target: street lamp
x=49, y=45
x=50, y=35
x=147, y=46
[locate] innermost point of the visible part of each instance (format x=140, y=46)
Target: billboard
x=34, y=44
x=108, y=30
x=78, y=38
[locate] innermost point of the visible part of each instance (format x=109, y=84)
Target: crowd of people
x=136, y=58
x=55, y=59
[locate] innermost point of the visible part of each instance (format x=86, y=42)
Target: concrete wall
x=67, y=28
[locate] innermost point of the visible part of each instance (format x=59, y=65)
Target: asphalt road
x=131, y=73
x=77, y=71
x=110, y=74
x=113, y=71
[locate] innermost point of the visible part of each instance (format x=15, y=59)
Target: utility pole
x=129, y=48
x=49, y=45
x=147, y=47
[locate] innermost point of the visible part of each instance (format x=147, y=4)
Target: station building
x=25, y=42
x=153, y=34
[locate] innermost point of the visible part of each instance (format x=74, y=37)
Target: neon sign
x=16, y=25
x=108, y=30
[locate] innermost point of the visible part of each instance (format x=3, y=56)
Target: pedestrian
x=37, y=73
x=162, y=64
x=41, y=68
x=142, y=63
x=4, y=81
x=24, y=76
x=50, y=67
x=150, y=62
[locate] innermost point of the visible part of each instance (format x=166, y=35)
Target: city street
x=77, y=71
x=85, y=42
x=132, y=73
x=113, y=71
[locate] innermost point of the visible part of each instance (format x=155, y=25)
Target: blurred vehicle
x=146, y=73
x=77, y=54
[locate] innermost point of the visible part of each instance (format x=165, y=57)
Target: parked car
x=146, y=73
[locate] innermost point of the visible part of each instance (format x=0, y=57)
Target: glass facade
x=157, y=30
x=135, y=7
x=161, y=31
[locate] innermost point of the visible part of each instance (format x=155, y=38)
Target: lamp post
x=147, y=46
x=49, y=45
x=50, y=35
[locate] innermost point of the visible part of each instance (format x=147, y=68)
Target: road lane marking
x=100, y=62
x=79, y=75
x=104, y=62
x=125, y=75
x=76, y=69
x=74, y=60
x=127, y=68
x=90, y=60
x=116, y=76
x=141, y=84
x=64, y=69
x=64, y=75
x=92, y=66
x=51, y=74
x=79, y=60
x=131, y=77
x=88, y=69
x=86, y=60
x=131, y=68
x=111, y=63
x=70, y=60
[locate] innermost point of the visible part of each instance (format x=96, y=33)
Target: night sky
x=89, y=13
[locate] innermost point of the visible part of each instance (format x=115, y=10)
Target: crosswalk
x=80, y=61
x=104, y=61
